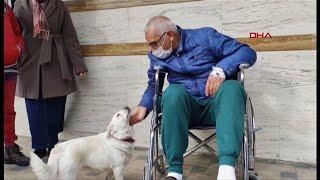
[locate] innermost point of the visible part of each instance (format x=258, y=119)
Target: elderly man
x=199, y=63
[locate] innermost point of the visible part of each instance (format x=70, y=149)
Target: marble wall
x=282, y=84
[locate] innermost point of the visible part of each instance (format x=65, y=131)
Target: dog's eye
x=118, y=115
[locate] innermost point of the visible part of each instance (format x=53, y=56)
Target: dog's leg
x=118, y=173
x=68, y=173
x=109, y=175
x=67, y=176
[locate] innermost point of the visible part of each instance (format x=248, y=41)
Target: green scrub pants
x=180, y=111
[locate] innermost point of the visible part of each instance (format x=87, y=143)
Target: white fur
x=101, y=151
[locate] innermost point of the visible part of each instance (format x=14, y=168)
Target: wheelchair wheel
x=157, y=171
x=160, y=165
x=242, y=168
x=239, y=167
x=155, y=167
x=251, y=134
x=251, y=130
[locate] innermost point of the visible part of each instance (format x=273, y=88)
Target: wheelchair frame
x=245, y=168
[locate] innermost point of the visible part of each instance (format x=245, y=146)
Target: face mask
x=161, y=53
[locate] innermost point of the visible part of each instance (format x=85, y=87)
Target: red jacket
x=12, y=37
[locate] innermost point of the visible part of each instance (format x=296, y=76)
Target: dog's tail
x=42, y=170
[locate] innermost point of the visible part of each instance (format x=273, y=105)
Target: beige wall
x=281, y=84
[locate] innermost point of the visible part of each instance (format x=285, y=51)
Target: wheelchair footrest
x=255, y=129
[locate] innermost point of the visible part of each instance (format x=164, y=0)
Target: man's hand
x=212, y=85
x=137, y=115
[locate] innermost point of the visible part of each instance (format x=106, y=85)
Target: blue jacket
x=191, y=63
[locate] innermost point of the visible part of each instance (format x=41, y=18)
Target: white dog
x=111, y=149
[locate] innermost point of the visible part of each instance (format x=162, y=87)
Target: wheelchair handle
x=158, y=67
x=244, y=66
x=241, y=72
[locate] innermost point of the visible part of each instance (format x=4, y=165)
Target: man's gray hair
x=160, y=24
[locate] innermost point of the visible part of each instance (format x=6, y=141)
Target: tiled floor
x=197, y=167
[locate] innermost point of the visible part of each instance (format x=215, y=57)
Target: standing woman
x=46, y=71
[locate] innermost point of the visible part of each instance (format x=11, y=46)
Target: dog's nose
x=127, y=108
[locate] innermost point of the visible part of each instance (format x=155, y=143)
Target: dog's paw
x=109, y=175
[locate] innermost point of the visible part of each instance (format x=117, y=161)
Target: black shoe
x=12, y=155
x=41, y=153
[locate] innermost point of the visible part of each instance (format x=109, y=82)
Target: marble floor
x=196, y=167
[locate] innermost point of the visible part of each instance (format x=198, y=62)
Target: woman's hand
x=82, y=74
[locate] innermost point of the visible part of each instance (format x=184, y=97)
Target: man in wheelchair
x=201, y=64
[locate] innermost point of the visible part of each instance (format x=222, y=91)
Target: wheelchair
x=245, y=166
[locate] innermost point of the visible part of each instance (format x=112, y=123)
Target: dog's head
x=119, y=126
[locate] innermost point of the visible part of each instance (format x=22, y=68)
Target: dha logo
x=260, y=35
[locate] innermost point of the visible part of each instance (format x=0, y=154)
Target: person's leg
x=229, y=109
x=54, y=111
x=38, y=125
x=62, y=108
x=176, y=106
x=9, y=114
x=12, y=154
x=36, y=110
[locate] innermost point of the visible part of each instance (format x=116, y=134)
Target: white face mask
x=161, y=53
